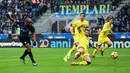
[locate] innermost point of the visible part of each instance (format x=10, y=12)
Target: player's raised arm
x=72, y=28
x=12, y=19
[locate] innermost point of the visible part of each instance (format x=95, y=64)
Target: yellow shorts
x=85, y=53
x=102, y=40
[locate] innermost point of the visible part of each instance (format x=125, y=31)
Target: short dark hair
x=83, y=14
x=110, y=17
x=87, y=28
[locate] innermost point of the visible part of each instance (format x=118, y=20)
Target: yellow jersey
x=106, y=29
x=77, y=24
x=84, y=42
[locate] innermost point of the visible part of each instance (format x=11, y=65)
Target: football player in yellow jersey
x=103, y=37
x=74, y=32
x=82, y=49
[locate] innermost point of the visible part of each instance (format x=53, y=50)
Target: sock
x=81, y=63
x=71, y=50
x=94, y=52
x=104, y=48
x=24, y=54
x=31, y=57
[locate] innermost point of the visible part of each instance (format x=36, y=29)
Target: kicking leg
x=28, y=47
x=69, y=53
x=107, y=45
x=23, y=56
x=94, y=53
x=87, y=61
x=78, y=54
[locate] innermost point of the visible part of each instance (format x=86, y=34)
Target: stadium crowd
x=35, y=8
x=121, y=21
x=18, y=9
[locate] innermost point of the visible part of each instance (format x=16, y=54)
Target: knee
x=109, y=44
x=88, y=62
x=76, y=44
x=28, y=47
x=81, y=50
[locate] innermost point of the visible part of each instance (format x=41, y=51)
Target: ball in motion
x=114, y=55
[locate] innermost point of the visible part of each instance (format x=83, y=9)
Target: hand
x=34, y=43
x=83, y=25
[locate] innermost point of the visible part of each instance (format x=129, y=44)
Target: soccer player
x=103, y=37
x=82, y=50
x=75, y=33
x=25, y=28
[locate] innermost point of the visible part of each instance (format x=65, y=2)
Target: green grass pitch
x=50, y=60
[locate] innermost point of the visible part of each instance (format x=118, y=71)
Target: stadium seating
x=17, y=9
x=122, y=19
x=35, y=9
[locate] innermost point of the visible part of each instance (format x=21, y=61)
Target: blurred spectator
x=101, y=20
x=122, y=22
x=52, y=6
x=116, y=23
x=18, y=9
x=55, y=5
x=35, y=8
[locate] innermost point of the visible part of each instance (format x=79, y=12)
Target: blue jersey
x=25, y=29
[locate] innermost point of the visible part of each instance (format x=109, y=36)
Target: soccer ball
x=114, y=55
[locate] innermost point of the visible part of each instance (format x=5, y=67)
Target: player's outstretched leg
x=67, y=57
x=107, y=45
x=78, y=54
x=86, y=61
x=28, y=47
x=94, y=53
x=23, y=56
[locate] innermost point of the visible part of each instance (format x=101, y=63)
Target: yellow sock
x=104, y=48
x=81, y=63
x=71, y=50
x=94, y=52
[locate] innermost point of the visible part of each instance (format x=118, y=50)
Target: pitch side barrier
x=65, y=41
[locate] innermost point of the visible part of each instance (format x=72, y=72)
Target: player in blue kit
x=25, y=28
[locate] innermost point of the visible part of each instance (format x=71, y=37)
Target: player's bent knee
x=80, y=50
x=76, y=44
x=109, y=44
x=28, y=47
x=88, y=62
